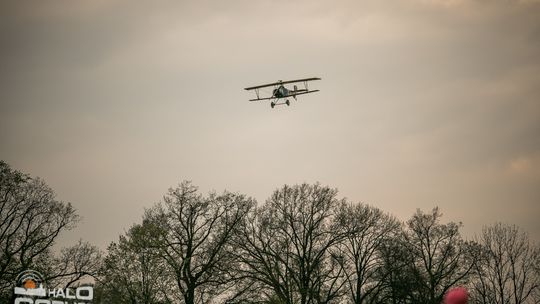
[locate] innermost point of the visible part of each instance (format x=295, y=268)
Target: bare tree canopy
x=367, y=230
x=30, y=221
x=441, y=258
x=192, y=234
x=286, y=245
x=80, y=261
x=132, y=272
x=508, y=271
x=426, y=259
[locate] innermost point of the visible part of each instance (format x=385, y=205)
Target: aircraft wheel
x=272, y=104
x=287, y=102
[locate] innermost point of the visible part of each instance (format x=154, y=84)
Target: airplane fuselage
x=280, y=92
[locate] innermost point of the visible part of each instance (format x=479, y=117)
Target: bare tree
x=74, y=264
x=397, y=279
x=441, y=259
x=286, y=246
x=193, y=236
x=30, y=221
x=508, y=271
x=132, y=272
x=367, y=230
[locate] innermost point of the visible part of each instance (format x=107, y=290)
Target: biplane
x=280, y=92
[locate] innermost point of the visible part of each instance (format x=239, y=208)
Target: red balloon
x=458, y=295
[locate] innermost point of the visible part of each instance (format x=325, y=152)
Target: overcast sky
x=422, y=103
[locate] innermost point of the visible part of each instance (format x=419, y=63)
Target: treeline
x=303, y=245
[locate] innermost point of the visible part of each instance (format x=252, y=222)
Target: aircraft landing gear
x=287, y=102
x=272, y=104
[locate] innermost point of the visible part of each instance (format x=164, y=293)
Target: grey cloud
x=421, y=103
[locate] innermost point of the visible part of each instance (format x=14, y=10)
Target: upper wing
x=281, y=82
x=300, y=80
x=263, y=86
